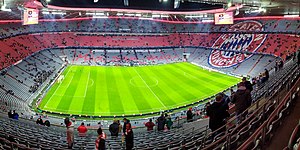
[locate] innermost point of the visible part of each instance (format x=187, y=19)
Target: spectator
x=266, y=74
x=217, y=112
x=40, y=121
x=70, y=132
x=15, y=115
x=231, y=93
x=207, y=107
x=10, y=114
x=247, y=84
x=125, y=120
x=150, y=125
x=189, y=115
x=161, y=121
x=100, y=141
x=129, y=137
x=47, y=123
x=169, y=122
x=82, y=129
x=242, y=100
x=114, y=129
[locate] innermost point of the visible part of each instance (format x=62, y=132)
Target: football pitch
x=119, y=90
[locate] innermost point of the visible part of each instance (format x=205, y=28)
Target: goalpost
x=60, y=78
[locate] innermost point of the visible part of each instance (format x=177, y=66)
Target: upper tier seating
x=16, y=48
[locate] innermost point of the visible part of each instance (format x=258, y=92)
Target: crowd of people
x=218, y=111
x=13, y=114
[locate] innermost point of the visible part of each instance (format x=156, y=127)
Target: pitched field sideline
x=108, y=91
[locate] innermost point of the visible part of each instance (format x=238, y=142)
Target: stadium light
x=3, y=7
x=126, y=3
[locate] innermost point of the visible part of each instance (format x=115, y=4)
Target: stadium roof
x=12, y=9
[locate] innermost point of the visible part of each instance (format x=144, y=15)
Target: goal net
x=60, y=78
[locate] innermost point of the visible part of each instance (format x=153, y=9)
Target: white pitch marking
x=187, y=74
x=87, y=83
x=59, y=86
x=150, y=89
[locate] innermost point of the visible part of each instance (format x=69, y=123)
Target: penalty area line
x=58, y=88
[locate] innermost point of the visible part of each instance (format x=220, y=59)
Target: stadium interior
x=99, y=61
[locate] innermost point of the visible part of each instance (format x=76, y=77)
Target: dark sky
x=134, y=4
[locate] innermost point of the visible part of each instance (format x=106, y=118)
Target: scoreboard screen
x=224, y=18
x=30, y=16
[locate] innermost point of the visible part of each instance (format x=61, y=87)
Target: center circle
x=138, y=81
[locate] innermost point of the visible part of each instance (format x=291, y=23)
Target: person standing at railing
x=114, y=129
x=70, y=132
x=242, y=100
x=217, y=112
x=161, y=122
x=128, y=136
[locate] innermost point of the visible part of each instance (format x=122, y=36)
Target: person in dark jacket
x=161, y=121
x=242, y=100
x=189, y=115
x=267, y=74
x=247, y=84
x=10, y=114
x=114, y=129
x=47, y=123
x=40, y=121
x=129, y=137
x=217, y=112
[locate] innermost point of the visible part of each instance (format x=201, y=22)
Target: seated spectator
x=15, y=115
x=40, y=121
x=47, y=123
x=10, y=114
x=82, y=130
x=189, y=115
x=114, y=129
x=100, y=141
x=150, y=125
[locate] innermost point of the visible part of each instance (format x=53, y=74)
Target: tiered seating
x=140, y=26
x=16, y=48
x=295, y=138
x=176, y=39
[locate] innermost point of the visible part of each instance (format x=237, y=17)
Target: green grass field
x=108, y=91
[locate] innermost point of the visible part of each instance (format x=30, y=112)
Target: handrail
x=293, y=136
x=271, y=117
